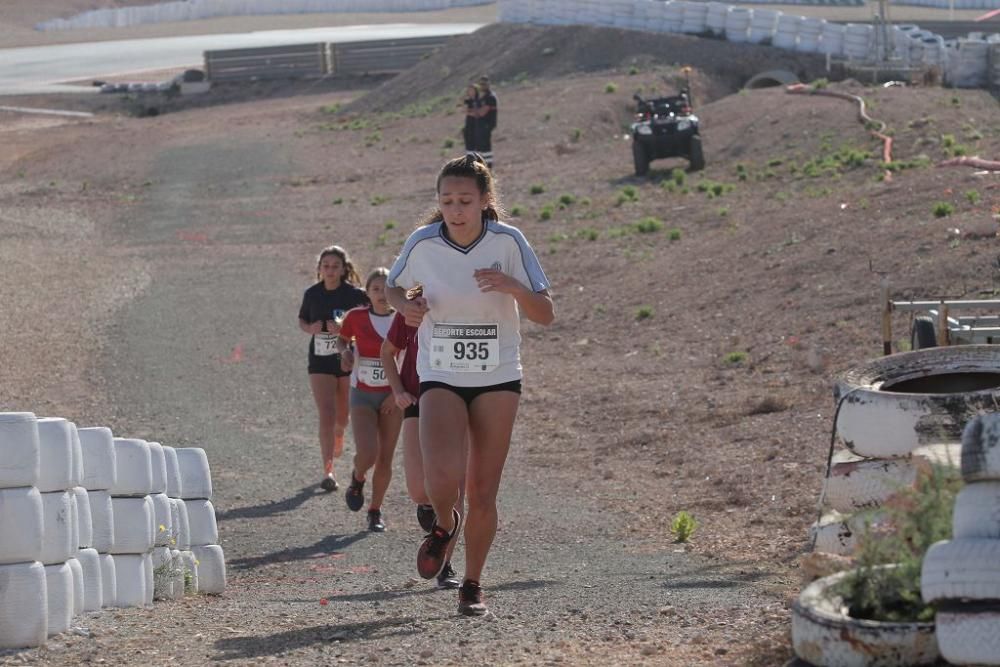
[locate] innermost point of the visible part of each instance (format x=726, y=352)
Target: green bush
x=644, y=313
x=546, y=212
x=610, y=88
x=734, y=358
x=675, y=234
x=537, y=189
x=683, y=526
x=449, y=143
x=567, y=199
x=649, y=225
x=942, y=209
x=588, y=234
x=516, y=212
x=972, y=196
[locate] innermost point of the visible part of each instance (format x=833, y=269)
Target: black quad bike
x=665, y=127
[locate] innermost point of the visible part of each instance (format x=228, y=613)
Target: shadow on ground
x=273, y=507
x=328, y=545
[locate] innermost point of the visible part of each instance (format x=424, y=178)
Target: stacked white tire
x=185, y=579
x=196, y=483
x=24, y=608
x=134, y=523
x=962, y=576
x=99, y=476
x=59, y=472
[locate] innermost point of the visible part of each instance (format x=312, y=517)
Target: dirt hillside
x=701, y=318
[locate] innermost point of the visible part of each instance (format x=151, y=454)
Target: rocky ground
x=152, y=268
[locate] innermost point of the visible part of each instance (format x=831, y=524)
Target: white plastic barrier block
x=183, y=526
x=99, y=469
x=202, y=522
x=158, y=463
x=196, y=477
x=19, y=463
x=55, y=454
x=147, y=564
x=57, y=527
x=109, y=583
x=84, y=519
x=190, y=572
x=134, y=468
x=74, y=521
x=167, y=568
x=211, y=568
x=102, y=520
x=78, y=587
x=174, y=485
x=164, y=533
x=25, y=610
x=59, y=596
x=130, y=580
x=21, y=525
x=93, y=591
x=77, y=477
x=134, y=522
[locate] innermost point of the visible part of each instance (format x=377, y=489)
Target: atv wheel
x=923, y=335
x=641, y=158
x=696, y=157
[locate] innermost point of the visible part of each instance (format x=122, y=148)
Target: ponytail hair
x=470, y=165
x=350, y=274
x=380, y=272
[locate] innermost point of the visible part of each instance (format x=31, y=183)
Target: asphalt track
x=46, y=69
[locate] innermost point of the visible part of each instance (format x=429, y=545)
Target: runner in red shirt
x=375, y=419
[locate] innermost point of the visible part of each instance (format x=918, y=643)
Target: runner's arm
x=312, y=328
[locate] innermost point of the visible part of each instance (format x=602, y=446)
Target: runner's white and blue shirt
x=468, y=338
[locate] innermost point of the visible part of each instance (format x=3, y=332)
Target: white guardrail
x=972, y=62
x=193, y=10
x=91, y=521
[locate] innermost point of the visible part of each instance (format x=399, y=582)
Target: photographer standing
x=487, y=120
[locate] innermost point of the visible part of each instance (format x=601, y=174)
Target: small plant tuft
x=735, y=358
x=649, y=225
x=644, y=313
x=537, y=189
x=610, y=88
x=683, y=527
x=942, y=209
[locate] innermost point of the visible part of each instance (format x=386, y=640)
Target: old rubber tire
x=78, y=587
x=640, y=158
x=58, y=530
x=174, y=487
x=838, y=534
x=158, y=463
x=55, y=454
x=84, y=519
x=134, y=468
x=202, y=523
x=130, y=580
x=109, y=587
x=822, y=634
x=190, y=571
x=102, y=521
x=19, y=463
x=856, y=483
x=163, y=519
x=196, y=476
x=183, y=526
x=24, y=612
x=981, y=449
x=966, y=569
x=696, y=155
x=892, y=405
x=977, y=512
x=969, y=636
x=922, y=334
x=21, y=525
x=59, y=596
x=211, y=568
x=93, y=590
x=99, y=469
x=134, y=519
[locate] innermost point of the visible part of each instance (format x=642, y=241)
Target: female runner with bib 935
x=375, y=419
x=323, y=306
x=477, y=274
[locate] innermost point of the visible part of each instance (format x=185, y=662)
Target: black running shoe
x=470, y=599
x=426, y=517
x=329, y=484
x=355, y=495
x=375, y=522
x=432, y=553
x=447, y=577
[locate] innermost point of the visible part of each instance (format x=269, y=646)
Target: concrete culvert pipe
x=77, y=570
x=21, y=525
x=59, y=597
x=772, y=78
x=101, y=520
x=158, y=462
x=133, y=519
x=55, y=454
x=202, y=522
x=196, y=477
x=57, y=529
x=130, y=580
x=93, y=589
x=84, y=519
x=174, y=486
x=211, y=568
x=19, y=463
x=98, y=446
x=890, y=406
x=134, y=468
x=24, y=613
x=109, y=586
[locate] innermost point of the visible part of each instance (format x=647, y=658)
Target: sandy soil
x=690, y=367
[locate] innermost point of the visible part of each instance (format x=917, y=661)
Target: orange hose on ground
x=803, y=89
x=977, y=162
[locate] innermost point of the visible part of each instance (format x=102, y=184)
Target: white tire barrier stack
x=99, y=476
x=786, y=33
x=24, y=612
x=738, y=24
x=858, y=40
x=196, y=483
x=695, y=20
x=163, y=522
x=58, y=473
x=962, y=576
x=763, y=25
x=968, y=65
x=183, y=563
x=134, y=522
x=715, y=18
x=811, y=35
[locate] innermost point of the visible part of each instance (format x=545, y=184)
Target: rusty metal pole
x=943, y=338
x=886, y=318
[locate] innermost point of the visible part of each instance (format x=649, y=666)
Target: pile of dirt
x=533, y=52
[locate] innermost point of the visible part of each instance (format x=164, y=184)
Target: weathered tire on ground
x=856, y=483
x=196, y=476
x=24, y=614
x=981, y=449
x=93, y=587
x=102, y=520
x=134, y=474
x=158, y=463
x=839, y=534
x=174, y=486
x=969, y=637
x=21, y=525
x=99, y=465
x=966, y=569
x=109, y=584
x=133, y=519
x=78, y=587
x=824, y=636
x=183, y=526
x=84, y=520
x=164, y=522
x=640, y=158
x=19, y=463
x=923, y=334
x=211, y=568
x=57, y=528
x=977, y=512
x=130, y=580
x=59, y=597
x=55, y=454
x=202, y=522
x=190, y=572
x=894, y=404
